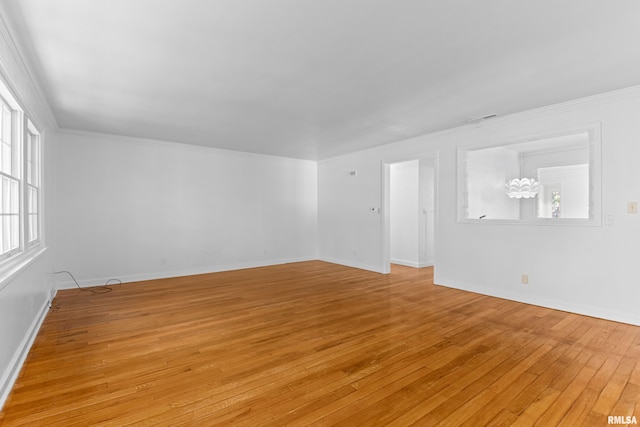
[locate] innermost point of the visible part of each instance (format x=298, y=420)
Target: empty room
x=306, y=212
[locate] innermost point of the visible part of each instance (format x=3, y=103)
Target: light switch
x=632, y=207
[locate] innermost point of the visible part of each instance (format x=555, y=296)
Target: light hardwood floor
x=319, y=344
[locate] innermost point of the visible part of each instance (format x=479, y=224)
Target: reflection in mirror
x=537, y=180
x=565, y=191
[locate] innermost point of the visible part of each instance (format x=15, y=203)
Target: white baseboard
x=65, y=282
x=412, y=263
x=354, y=264
x=405, y=263
x=601, y=313
x=10, y=376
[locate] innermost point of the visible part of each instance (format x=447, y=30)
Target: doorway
x=409, y=214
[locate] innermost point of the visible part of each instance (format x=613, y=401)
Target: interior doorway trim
x=386, y=206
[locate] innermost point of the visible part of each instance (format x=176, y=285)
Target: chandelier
x=522, y=188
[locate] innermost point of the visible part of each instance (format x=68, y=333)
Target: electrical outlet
x=632, y=207
x=609, y=220
x=524, y=279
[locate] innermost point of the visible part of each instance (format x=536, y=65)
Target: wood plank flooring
x=314, y=343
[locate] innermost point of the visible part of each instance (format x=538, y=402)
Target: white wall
x=532, y=162
x=349, y=232
x=587, y=269
x=487, y=172
x=404, y=215
x=26, y=288
x=573, y=184
x=135, y=209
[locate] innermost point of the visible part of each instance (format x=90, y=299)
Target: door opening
x=409, y=213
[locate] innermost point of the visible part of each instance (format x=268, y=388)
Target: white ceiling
x=317, y=78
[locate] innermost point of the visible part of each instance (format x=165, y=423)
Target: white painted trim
x=173, y=145
x=616, y=316
x=595, y=178
x=18, y=73
x=620, y=95
x=10, y=375
x=359, y=265
x=385, y=222
x=413, y=264
x=386, y=209
x=65, y=282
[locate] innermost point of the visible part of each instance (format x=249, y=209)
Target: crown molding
x=17, y=71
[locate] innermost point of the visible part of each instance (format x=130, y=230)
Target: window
x=555, y=204
x=32, y=196
x=20, y=179
x=572, y=182
x=551, y=179
x=10, y=188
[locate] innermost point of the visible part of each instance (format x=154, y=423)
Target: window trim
x=14, y=260
x=15, y=173
x=11, y=267
x=31, y=130
x=595, y=180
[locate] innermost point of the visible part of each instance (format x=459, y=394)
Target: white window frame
x=28, y=241
x=595, y=180
x=10, y=173
x=32, y=184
